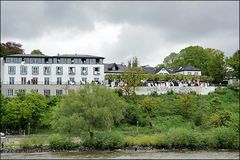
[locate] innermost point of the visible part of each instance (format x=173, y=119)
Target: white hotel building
x=48, y=75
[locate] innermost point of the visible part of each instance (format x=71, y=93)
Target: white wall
x=192, y=73
x=53, y=77
x=163, y=71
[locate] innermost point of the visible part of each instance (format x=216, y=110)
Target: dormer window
x=72, y=60
x=58, y=60
x=46, y=60
x=97, y=61
x=83, y=60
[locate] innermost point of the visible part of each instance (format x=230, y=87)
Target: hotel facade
x=49, y=75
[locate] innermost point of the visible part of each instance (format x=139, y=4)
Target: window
x=11, y=70
x=10, y=92
x=34, y=90
x=97, y=61
x=84, y=71
x=83, y=60
x=189, y=73
x=23, y=70
x=71, y=70
x=96, y=79
x=46, y=81
x=46, y=60
x=34, y=80
x=84, y=80
x=59, y=80
x=23, y=80
x=59, y=70
x=96, y=70
x=71, y=80
x=195, y=73
x=22, y=91
x=11, y=80
x=72, y=60
x=46, y=92
x=46, y=70
x=58, y=92
x=35, y=70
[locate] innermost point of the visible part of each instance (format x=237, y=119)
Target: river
x=125, y=155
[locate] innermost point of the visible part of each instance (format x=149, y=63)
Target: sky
x=120, y=30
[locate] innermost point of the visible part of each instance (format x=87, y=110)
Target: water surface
x=125, y=155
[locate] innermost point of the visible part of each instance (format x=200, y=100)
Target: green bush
x=222, y=137
x=26, y=143
x=104, y=140
x=181, y=138
x=153, y=140
x=59, y=142
x=38, y=142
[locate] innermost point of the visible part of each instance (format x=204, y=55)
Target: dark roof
x=187, y=68
x=60, y=56
x=149, y=70
x=119, y=68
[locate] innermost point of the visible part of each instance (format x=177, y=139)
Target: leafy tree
x=36, y=52
x=24, y=109
x=160, y=66
x=10, y=48
x=216, y=65
x=148, y=104
x=219, y=119
x=169, y=61
x=88, y=109
x=186, y=105
x=131, y=77
x=234, y=62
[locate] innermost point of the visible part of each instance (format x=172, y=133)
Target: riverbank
x=132, y=148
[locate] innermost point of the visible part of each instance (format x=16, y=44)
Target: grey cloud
x=158, y=24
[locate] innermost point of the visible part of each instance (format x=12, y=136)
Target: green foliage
x=60, y=142
x=219, y=119
x=186, y=104
x=222, y=137
x=104, y=141
x=91, y=107
x=7, y=49
x=24, y=109
x=233, y=62
x=36, y=52
x=148, y=104
x=181, y=137
x=26, y=143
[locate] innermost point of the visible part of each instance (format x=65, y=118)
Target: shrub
x=38, y=142
x=153, y=140
x=59, y=142
x=180, y=137
x=26, y=143
x=222, y=137
x=104, y=140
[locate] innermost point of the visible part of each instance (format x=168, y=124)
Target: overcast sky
x=121, y=30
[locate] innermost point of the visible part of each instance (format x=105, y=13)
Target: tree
x=160, y=66
x=131, y=77
x=36, y=52
x=24, y=109
x=234, y=62
x=10, y=48
x=216, y=65
x=186, y=104
x=169, y=61
x=88, y=109
x=148, y=104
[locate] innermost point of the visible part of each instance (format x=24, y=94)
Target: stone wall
x=176, y=89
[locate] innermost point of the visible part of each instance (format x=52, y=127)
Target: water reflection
x=125, y=155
